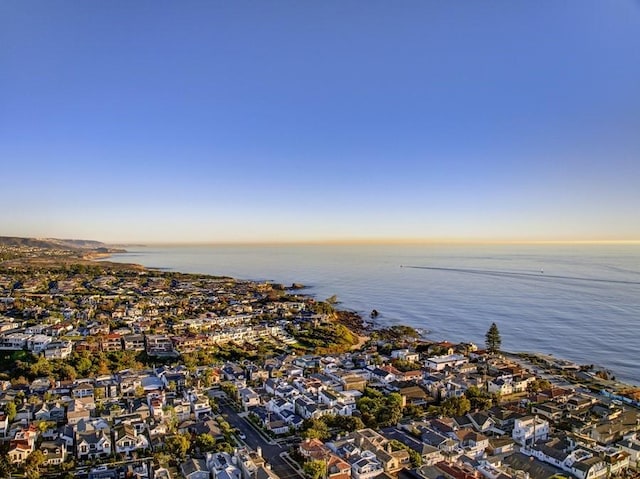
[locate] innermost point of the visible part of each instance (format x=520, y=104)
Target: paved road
x=270, y=451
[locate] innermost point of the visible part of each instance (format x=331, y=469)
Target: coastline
x=362, y=329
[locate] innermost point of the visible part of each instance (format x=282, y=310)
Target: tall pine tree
x=492, y=339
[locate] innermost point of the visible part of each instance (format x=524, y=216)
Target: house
x=353, y=382
x=405, y=355
x=22, y=444
x=501, y=445
x=414, y=395
x=481, y=422
x=438, y=440
x=414, y=375
x=55, y=452
x=499, y=386
x=58, y=350
x=195, y=469
x=126, y=439
x=548, y=410
x=83, y=390
x=631, y=446
x=313, y=449
x=18, y=452
x=337, y=468
x=581, y=462
x=106, y=387
x=382, y=376
x=248, y=398
x=38, y=343
x=222, y=465
x=503, y=418
x=77, y=411
x=608, y=431
x=209, y=427
x=41, y=412
x=159, y=345
x=4, y=425
x=201, y=407
x=133, y=342
x=474, y=443
x=93, y=444
x=530, y=429
x=365, y=466
x=429, y=454
x=439, y=363
x=253, y=465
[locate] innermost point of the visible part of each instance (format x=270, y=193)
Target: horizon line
x=381, y=242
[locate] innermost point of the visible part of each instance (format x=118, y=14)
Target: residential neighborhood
x=136, y=373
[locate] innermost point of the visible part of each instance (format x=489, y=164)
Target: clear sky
x=158, y=121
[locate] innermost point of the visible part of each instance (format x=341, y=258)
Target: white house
x=93, y=444
x=367, y=466
x=127, y=439
x=530, y=429
x=438, y=363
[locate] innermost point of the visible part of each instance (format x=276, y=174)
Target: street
x=270, y=451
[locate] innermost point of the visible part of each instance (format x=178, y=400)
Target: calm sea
x=576, y=302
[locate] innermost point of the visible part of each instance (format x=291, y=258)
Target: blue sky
x=293, y=121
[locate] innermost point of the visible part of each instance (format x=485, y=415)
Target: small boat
x=374, y=313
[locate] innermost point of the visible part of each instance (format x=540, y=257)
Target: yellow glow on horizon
x=390, y=242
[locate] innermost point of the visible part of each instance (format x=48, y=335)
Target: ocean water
x=576, y=302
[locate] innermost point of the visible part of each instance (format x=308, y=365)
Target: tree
x=378, y=410
x=480, y=400
x=162, y=459
x=315, y=429
x=314, y=469
x=223, y=446
x=32, y=464
x=178, y=445
x=492, y=339
x=5, y=466
x=538, y=385
x=205, y=442
x=455, y=406
x=11, y=411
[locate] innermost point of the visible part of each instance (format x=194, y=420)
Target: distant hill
x=55, y=243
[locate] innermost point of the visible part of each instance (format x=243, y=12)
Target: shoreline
x=364, y=328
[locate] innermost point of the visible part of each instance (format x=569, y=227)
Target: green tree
x=230, y=389
x=415, y=458
x=223, y=446
x=315, y=469
x=5, y=466
x=177, y=446
x=32, y=464
x=205, y=443
x=378, y=410
x=41, y=368
x=11, y=411
x=162, y=458
x=492, y=339
x=455, y=406
x=66, y=371
x=479, y=399
x=538, y=385
x=315, y=429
